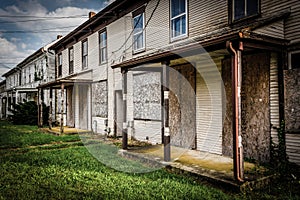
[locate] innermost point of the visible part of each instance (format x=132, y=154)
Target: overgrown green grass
x=69, y=171
x=16, y=136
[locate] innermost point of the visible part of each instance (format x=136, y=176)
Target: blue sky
x=27, y=25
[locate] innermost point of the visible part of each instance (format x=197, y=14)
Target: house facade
x=213, y=76
x=22, y=81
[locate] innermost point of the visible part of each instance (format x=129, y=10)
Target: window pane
x=71, y=54
x=103, y=39
x=84, y=48
x=239, y=9
x=138, y=41
x=138, y=23
x=176, y=23
x=252, y=7
x=183, y=24
x=178, y=7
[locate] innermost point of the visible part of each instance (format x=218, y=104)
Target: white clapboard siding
x=293, y=147
x=147, y=129
x=205, y=16
x=209, y=106
x=77, y=57
x=274, y=97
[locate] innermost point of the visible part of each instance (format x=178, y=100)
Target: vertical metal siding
x=209, y=107
x=274, y=97
x=292, y=147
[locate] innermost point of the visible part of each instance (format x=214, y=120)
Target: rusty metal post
x=166, y=129
x=62, y=109
x=124, y=127
x=236, y=117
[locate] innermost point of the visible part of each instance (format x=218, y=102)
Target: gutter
x=236, y=117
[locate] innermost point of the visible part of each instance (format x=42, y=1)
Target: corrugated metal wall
x=292, y=147
x=274, y=97
x=209, y=120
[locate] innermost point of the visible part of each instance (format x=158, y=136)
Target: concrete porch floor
x=67, y=130
x=212, y=168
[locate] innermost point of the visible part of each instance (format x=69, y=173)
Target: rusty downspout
x=236, y=80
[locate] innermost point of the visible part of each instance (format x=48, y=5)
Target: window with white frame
x=178, y=18
x=71, y=60
x=84, y=54
x=138, y=32
x=244, y=8
x=103, y=47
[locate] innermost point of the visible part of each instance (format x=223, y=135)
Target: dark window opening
x=71, y=60
x=295, y=60
x=244, y=8
x=84, y=54
x=59, y=65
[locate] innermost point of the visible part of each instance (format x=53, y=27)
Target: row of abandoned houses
x=207, y=75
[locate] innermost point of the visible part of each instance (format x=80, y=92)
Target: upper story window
x=138, y=32
x=103, y=47
x=178, y=18
x=84, y=54
x=71, y=60
x=59, y=65
x=294, y=60
x=244, y=8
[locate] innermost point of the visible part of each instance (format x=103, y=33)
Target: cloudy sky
x=27, y=25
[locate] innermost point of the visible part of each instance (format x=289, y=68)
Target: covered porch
x=213, y=116
x=69, y=101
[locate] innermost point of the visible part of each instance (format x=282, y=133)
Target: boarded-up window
x=99, y=99
x=147, y=96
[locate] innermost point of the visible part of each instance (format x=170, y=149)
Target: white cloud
x=10, y=55
x=50, y=25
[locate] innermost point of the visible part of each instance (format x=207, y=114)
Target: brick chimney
x=91, y=14
x=58, y=36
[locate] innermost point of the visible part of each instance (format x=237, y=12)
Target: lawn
x=36, y=165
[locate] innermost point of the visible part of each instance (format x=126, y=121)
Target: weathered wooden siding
x=93, y=51
x=206, y=16
x=157, y=35
x=209, y=105
x=77, y=57
x=293, y=147
x=275, y=29
x=274, y=97
x=291, y=24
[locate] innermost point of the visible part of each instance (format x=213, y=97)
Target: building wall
x=255, y=98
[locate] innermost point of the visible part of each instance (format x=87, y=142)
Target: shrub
x=26, y=113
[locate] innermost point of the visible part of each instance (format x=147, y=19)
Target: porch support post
x=50, y=108
x=165, y=107
x=238, y=163
x=62, y=109
x=124, y=127
x=39, y=109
